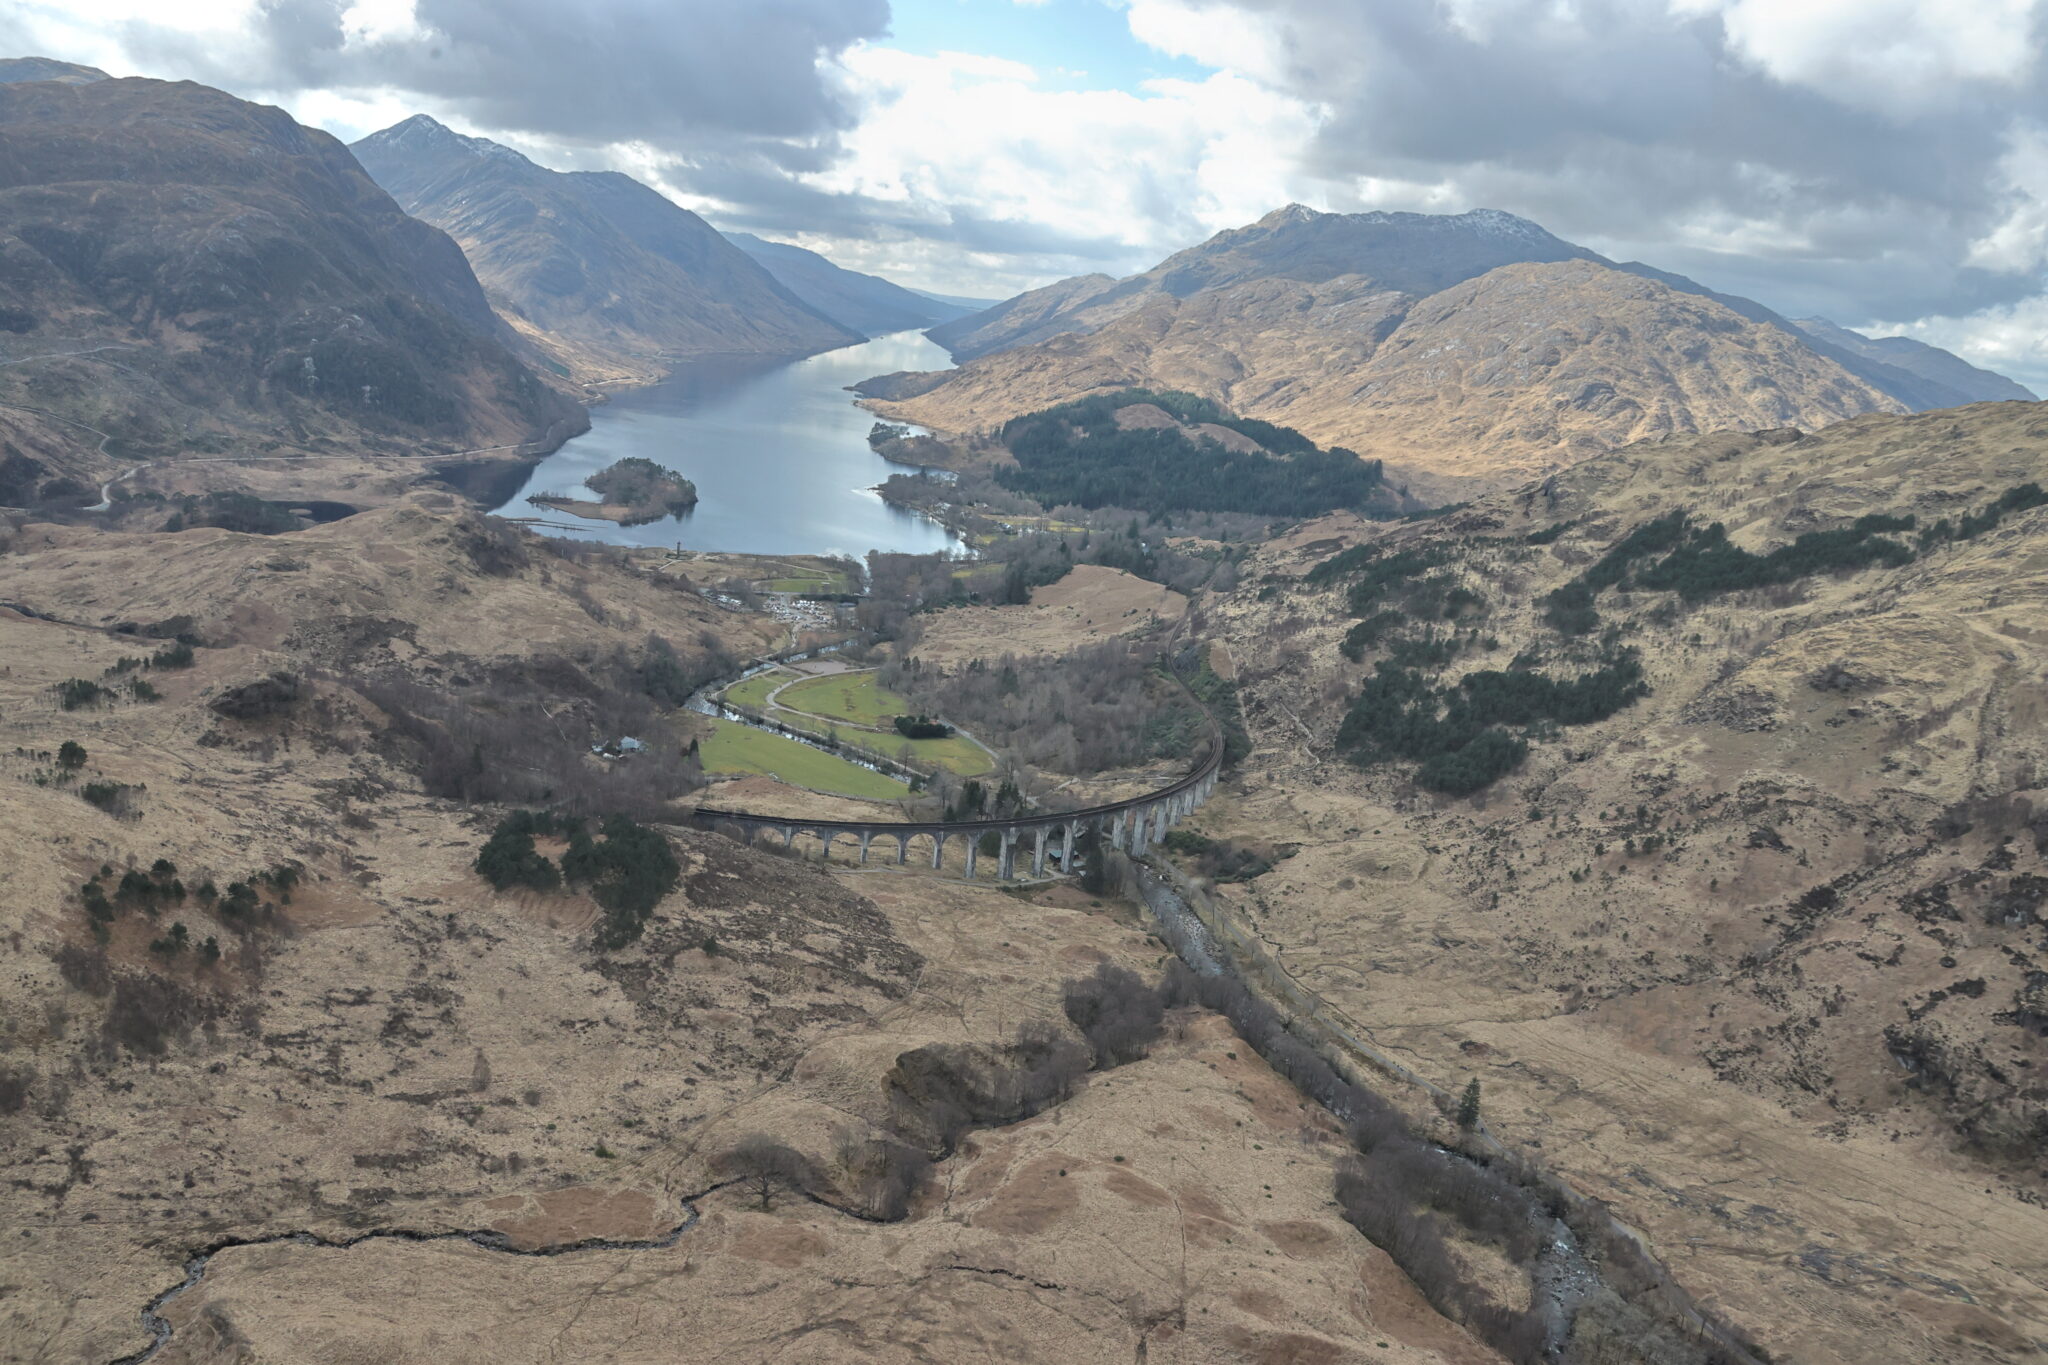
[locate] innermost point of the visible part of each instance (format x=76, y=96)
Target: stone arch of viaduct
x=1132, y=825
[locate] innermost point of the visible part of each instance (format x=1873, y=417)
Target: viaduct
x=1132, y=825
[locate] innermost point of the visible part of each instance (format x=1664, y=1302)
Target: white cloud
x=2019, y=241
x=1217, y=35
x=93, y=32
x=1882, y=54
x=2011, y=339
x=1130, y=174
x=1855, y=158
x=382, y=21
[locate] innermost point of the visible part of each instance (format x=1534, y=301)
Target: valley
x=1386, y=789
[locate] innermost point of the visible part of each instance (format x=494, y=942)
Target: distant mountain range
x=1474, y=346
x=1945, y=370
x=867, y=304
x=189, y=273
x=608, y=276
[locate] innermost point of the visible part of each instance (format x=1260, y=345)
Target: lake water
x=777, y=450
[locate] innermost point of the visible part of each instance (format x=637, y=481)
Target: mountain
x=603, y=273
x=16, y=69
x=867, y=304
x=1411, y=253
x=958, y=300
x=1970, y=383
x=1520, y=369
x=188, y=273
x=1031, y=316
x=1454, y=347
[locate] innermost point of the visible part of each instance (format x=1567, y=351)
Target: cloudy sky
x=1881, y=162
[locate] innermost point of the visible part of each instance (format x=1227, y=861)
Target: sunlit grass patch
x=852, y=697
x=735, y=748
x=753, y=692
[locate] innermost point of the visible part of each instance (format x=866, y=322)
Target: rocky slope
x=1521, y=369
x=1462, y=349
x=1760, y=958
x=188, y=274
x=604, y=273
x=867, y=304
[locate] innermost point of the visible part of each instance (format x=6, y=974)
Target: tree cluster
x=1120, y=1014
x=1698, y=562
x=1101, y=707
x=75, y=694
x=523, y=735
x=509, y=858
x=1076, y=453
x=2020, y=498
x=1457, y=733
x=639, y=482
x=1226, y=860
x=627, y=868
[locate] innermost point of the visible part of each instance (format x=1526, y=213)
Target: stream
x=159, y=1327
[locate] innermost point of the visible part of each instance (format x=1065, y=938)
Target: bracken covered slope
x=608, y=275
x=1521, y=369
x=187, y=273
x=1467, y=349
x=1761, y=958
x=395, y=1051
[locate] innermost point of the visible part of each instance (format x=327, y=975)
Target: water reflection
x=777, y=450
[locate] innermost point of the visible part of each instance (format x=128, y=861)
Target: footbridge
x=1132, y=826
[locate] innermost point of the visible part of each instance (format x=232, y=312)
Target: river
x=777, y=450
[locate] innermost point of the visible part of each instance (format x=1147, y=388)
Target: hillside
x=1755, y=954
x=867, y=304
x=1538, y=352
x=1524, y=368
x=187, y=273
x=606, y=275
x=296, y=1011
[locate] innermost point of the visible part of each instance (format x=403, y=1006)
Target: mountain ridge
x=1286, y=318
x=1931, y=363
x=601, y=271
x=868, y=304
x=188, y=272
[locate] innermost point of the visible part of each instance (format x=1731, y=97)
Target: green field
x=963, y=756
x=852, y=697
x=856, y=700
x=735, y=748
x=861, y=712
x=753, y=692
